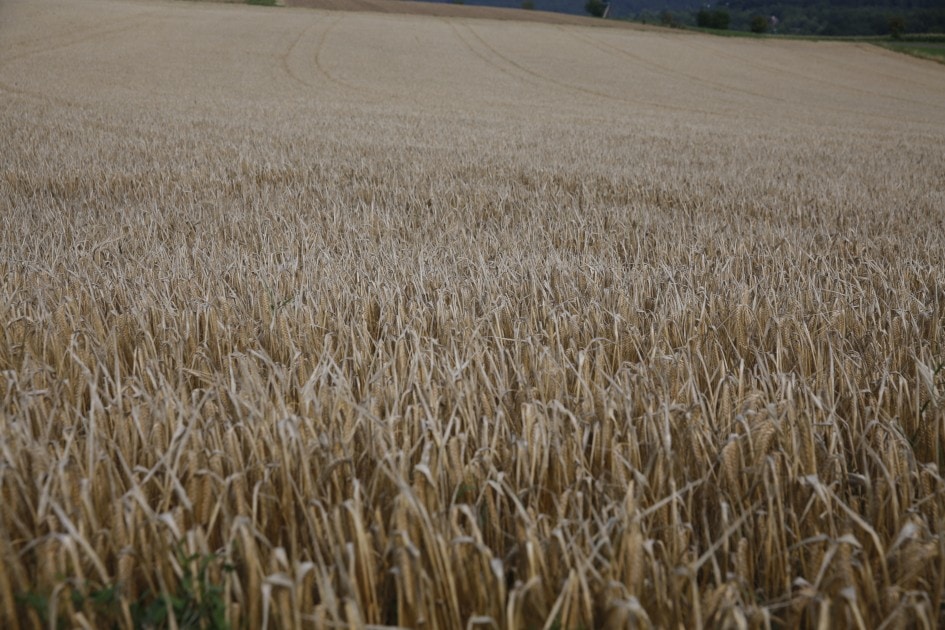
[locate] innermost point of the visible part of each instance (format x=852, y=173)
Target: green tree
x=897, y=26
x=703, y=18
x=721, y=19
x=758, y=24
x=718, y=19
x=595, y=7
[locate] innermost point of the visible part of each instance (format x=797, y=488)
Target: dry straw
x=571, y=327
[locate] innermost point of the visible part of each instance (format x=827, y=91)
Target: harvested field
x=352, y=319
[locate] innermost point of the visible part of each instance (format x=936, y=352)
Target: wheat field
x=341, y=319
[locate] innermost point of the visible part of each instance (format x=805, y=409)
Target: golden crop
x=329, y=319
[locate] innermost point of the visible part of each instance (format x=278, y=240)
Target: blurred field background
x=359, y=319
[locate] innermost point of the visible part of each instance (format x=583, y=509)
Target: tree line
x=793, y=17
x=804, y=17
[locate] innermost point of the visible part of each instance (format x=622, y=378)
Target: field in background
x=358, y=320
x=933, y=51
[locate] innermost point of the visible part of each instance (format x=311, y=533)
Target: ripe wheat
x=359, y=320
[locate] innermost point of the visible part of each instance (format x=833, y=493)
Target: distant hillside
x=801, y=17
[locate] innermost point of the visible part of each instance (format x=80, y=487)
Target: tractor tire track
x=843, y=111
x=856, y=68
x=810, y=78
x=376, y=94
x=663, y=71
x=118, y=26
x=126, y=24
x=575, y=89
x=503, y=69
x=284, y=59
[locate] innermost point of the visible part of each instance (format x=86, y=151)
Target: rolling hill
x=391, y=319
